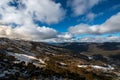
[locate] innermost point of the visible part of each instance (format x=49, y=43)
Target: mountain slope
x=27, y=60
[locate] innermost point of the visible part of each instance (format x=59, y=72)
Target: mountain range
x=28, y=60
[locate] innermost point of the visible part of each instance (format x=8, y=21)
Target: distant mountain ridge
x=87, y=46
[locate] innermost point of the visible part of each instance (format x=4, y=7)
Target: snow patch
x=96, y=67
x=63, y=64
x=82, y=66
x=26, y=58
x=101, y=67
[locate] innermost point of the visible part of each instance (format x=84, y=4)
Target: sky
x=61, y=20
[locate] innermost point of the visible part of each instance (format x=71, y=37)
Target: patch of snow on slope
x=26, y=58
x=63, y=64
x=96, y=67
x=101, y=67
x=41, y=61
x=82, y=66
x=22, y=57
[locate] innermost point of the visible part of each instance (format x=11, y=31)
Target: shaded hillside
x=75, y=47
x=30, y=47
x=108, y=48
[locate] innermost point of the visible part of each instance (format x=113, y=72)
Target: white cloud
x=112, y=25
x=61, y=37
x=47, y=34
x=80, y=7
x=90, y=16
x=28, y=33
x=79, y=29
x=46, y=11
x=65, y=36
x=99, y=39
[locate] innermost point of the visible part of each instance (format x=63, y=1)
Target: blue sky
x=61, y=20
x=103, y=10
